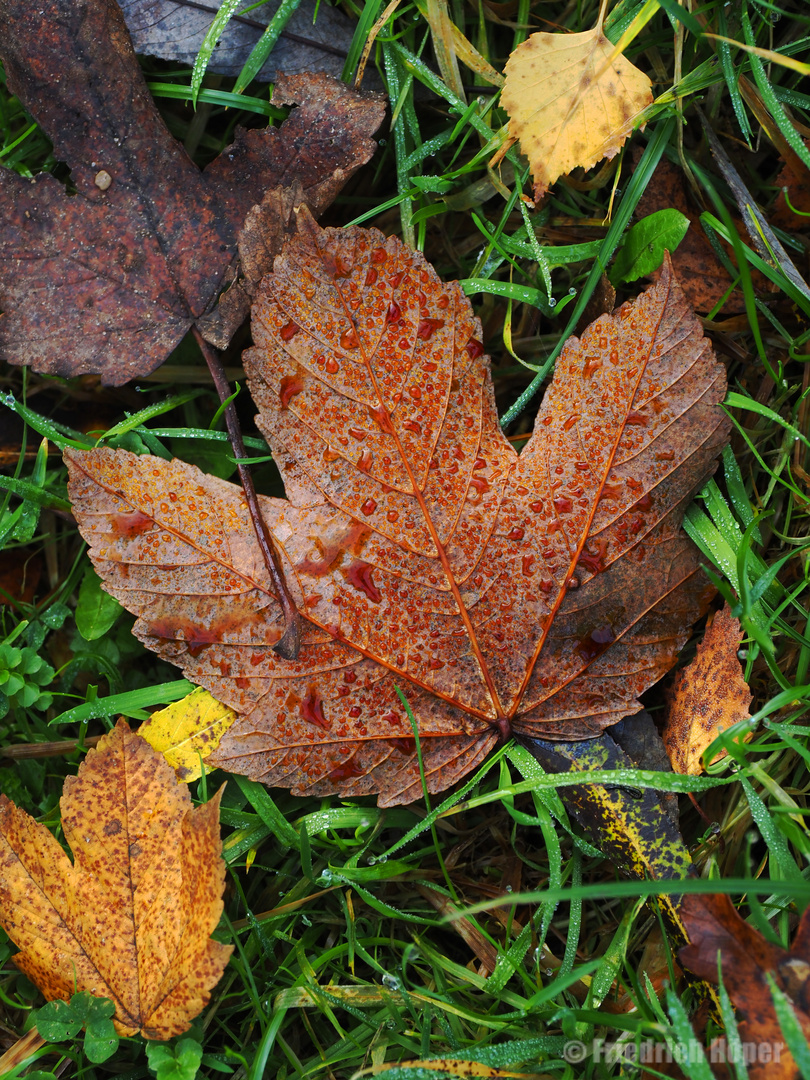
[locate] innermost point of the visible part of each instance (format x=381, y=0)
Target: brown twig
x=290, y=643
x=18, y=751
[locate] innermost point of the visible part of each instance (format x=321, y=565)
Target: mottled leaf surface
x=538, y=594
x=111, y=278
x=571, y=101
x=130, y=919
x=747, y=962
x=187, y=730
x=707, y=696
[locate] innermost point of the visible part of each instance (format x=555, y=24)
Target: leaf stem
x=290, y=643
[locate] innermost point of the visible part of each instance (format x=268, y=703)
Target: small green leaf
x=30, y=662
x=179, y=1062
x=60, y=1020
x=96, y=610
x=91, y=1010
x=56, y=1022
x=13, y=684
x=100, y=1041
x=645, y=244
x=9, y=656
x=432, y=183
x=55, y=616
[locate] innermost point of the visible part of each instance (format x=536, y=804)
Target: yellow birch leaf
x=188, y=730
x=130, y=919
x=571, y=102
x=707, y=696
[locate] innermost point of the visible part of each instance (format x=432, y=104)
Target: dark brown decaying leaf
x=130, y=919
x=538, y=594
x=110, y=279
x=714, y=925
x=260, y=239
x=703, y=277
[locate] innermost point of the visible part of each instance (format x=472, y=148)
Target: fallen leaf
x=705, y=279
x=175, y=31
x=630, y=826
x=746, y=960
x=111, y=278
x=570, y=101
x=131, y=918
x=261, y=238
x=187, y=730
x=707, y=696
x=19, y=577
x=538, y=594
x=793, y=180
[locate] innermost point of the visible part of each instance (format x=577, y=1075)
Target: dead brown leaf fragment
x=704, y=278
x=111, y=278
x=538, y=594
x=130, y=919
x=707, y=696
x=570, y=101
x=746, y=958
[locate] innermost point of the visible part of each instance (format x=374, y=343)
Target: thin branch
x=290, y=643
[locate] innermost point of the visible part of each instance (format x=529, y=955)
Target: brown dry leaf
x=703, y=276
x=111, y=278
x=571, y=102
x=794, y=178
x=538, y=594
x=707, y=696
x=131, y=918
x=713, y=925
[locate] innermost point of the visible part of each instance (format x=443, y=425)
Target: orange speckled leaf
x=538, y=594
x=708, y=696
x=131, y=918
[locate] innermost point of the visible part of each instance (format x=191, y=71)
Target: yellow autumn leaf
x=188, y=730
x=707, y=696
x=131, y=918
x=570, y=101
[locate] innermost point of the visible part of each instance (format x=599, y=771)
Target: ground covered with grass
x=355, y=947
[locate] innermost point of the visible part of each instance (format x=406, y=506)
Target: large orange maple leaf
x=537, y=594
